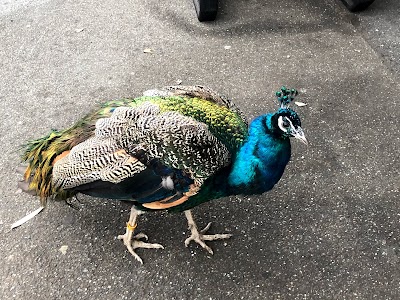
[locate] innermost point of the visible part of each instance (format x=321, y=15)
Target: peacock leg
x=132, y=242
x=199, y=237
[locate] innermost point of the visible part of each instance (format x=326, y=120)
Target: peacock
x=170, y=149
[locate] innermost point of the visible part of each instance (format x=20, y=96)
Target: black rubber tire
x=357, y=5
x=206, y=9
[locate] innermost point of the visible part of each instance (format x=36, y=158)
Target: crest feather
x=285, y=96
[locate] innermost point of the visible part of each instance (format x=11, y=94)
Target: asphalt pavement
x=329, y=229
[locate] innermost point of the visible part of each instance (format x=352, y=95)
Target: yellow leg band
x=131, y=227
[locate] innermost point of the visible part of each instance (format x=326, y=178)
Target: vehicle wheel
x=206, y=9
x=357, y=5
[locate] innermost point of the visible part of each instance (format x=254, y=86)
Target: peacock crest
x=286, y=96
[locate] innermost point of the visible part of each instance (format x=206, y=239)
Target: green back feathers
x=225, y=124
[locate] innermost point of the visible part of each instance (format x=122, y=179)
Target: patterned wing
x=177, y=141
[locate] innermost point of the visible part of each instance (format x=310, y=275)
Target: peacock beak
x=298, y=133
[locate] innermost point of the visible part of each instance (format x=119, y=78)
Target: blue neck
x=260, y=162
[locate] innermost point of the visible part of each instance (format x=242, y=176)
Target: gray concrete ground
x=380, y=26
x=329, y=230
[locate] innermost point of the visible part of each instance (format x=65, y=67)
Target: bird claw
x=135, y=243
x=140, y=236
x=199, y=237
x=205, y=229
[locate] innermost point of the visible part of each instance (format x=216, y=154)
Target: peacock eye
x=285, y=122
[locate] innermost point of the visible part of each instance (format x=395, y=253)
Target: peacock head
x=285, y=121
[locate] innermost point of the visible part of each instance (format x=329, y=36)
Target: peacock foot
x=134, y=241
x=199, y=237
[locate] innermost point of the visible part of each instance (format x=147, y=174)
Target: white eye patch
x=282, y=121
